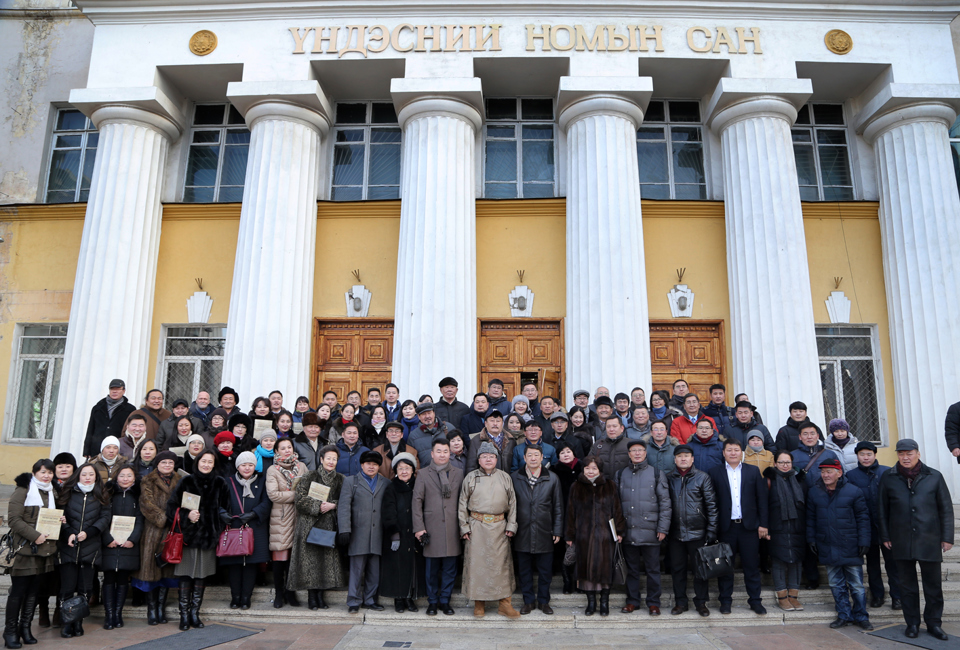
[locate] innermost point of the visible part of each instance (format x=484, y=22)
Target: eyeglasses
x=784, y=462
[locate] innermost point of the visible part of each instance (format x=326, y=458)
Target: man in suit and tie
x=742, y=498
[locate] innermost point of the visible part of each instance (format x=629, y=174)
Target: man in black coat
x=788, y=437
x=107, y=418
x=916, y=524
x=951, y=430
x=743, y=506
x=449, y=408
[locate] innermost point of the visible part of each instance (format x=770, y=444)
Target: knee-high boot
x=196, y=599
x=162, y=593
x=118, y=600
x=151, y=601
x=11, y=632
x=109, y=593
x=26, y=618
x=186, y=589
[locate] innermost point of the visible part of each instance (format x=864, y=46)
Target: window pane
x=30, y=405
x=501, y=132
x=230, y=195
x=234, y=116
x=688, y=163
x=383, y=192
x=200, y=137
x=351, y=113
x=690, y=192
x=234, y=165
x=348, y=164
x=209, y=114
x=384, y=135
x=502, y=109
x=803, y=115
x=500, y=191
x=844, y=346
x=54, y=398
x=179, y=384
x=538, y=132
x=860, y=399
x=809, y=194
x=685, y=134
x=831, y=136
x=89, y=159
x=833, y=166
x=210, y=372
x=238, y=136
x=195, y=347
x=838, y=194
x=42, y=346
x=384, y=165
x=955, y=129
x=501, y=162
x=828, y=380
x=198, y=195
x=93, y=139
x=350, y=135
x=650, y=133
x=655, y=112
x=68, y=141
x=828, y=113
x=71, y=120
x=538, y=190
x=684, y=111
x=202, y=166
x=347, y=194
x=384, y=113
x=536, y=109
x=806, y=167
x=654, y=191
x=537, y=161
x=61, y=196
x=955, y=151
x=802, y=135
x=64, y=169
x=652, y=157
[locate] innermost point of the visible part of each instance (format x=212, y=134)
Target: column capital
x=146, y=105
x=459, y=96
x=580, y=97
x=739, y=99
x=898, y=104
x=298, y=101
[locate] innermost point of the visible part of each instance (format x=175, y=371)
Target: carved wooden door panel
x=513, y=350
x=351, y=354
x=692, y=350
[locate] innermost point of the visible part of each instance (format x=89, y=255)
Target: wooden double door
x=515, y=351
x=693, y=351
x=351, y=354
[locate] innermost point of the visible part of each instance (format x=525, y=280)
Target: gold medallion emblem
x=203, y=42
x=838, y=41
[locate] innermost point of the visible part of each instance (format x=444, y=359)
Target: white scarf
x=34, y=498
x=86, y=489
x=109, y=463
x=245, y=482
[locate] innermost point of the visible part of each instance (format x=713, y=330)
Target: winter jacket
x=472, y=422
x=693, y=505
x=154, y=495
x=386, y=452
x=201, y=414
x=167, y=433
x=613, y=453
x=422, y=439
x=917, y=519
x=591, y=507
x=108, y=472
x=260, y=506
x=788, y=538
x=737, y=430
x=802, y=457
x=519, y=462
x=683, y=429
x=102, y=424
x=504, y=456
x=661, y=457
x=847, y=454
x=788, y=437
x=360, y=513
x=501, y=404
x=868, y=480
x=123, y=503
x=567, y=476
x=707, y=454
x=349, y=462
x=645, y=499
x=283, y=514
x=539, y=511
x=722, y=416
x=402, y=572
x=951, y=428
x=23, y=524
x=759, y=459
x=305, y=451
x=212, y=489
x=576, y=444
x=634, y=432
x=838, y=523
x=436, y=514
x=84, y=513
x=153, y=419
x=451, y=413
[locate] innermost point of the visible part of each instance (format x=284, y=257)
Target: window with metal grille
x=519, y=151
x=71, y=160
x=217, y=163
x=955, y=149
x=822, y=154
x=36, y=384
x=366, y=152
x=192, y=361
x=852, y=379
x=670, y=151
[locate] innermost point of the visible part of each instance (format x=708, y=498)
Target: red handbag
x=172, y=552
x=236, y=542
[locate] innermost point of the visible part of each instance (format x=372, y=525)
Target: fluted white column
x=111, y=312
x=435, y=326
x=771, y=308
x=920, y=231
x=607, y=327
x=271, y=298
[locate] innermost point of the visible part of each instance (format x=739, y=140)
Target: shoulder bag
x=74, y=609
x=172, y=550
x=8, y=552
x=235, y=542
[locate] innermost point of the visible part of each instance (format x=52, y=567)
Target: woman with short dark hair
x=155, y=490
x=120, y=559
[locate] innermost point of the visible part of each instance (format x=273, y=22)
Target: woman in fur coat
x=155, y=490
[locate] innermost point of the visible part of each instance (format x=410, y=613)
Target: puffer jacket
x=741, y=431
x=838, y=523
x=84, y=513
x=694, y=510
x=305, y=451
x=661, y=457
x=283, y=515
x=684, y=430
x=645, y=499
x=613, y=453
x=539, y=512
x=707, y=454
x=123, y=503
x=847, y=454
x=788, y=437
x=868, y=480
x=349, y=463
x=721, y=415
x=803, y=455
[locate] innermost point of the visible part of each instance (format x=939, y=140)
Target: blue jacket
x=550, y=458
x=722, y=416
x=349, y=463
x=741, y=432
x=706, y=454
x=472, y=422
x=838, y=524
x=393, y=414
x=868, y=480
x=801, y=457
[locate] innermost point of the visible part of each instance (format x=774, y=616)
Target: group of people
x=390, y=498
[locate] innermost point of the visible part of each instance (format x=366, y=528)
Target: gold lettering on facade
x=203, y=42
x=707, y=35
x=838, y=41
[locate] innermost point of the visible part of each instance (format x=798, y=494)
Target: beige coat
x=436, y=515
x=759, y=459
x=283, y=516
x=487, y=561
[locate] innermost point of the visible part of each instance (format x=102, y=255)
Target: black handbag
x=321, y=537
x=715, y=561
x=74, y=609
x=619, y=567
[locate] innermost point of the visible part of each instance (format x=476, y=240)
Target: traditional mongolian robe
x=488, y=510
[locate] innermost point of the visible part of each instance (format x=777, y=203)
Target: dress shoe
x=446, y=609
x=702, y=610
x=838, y=623
x=725, y=608
x=546, y=609
x=526, y=609
x=865, y=625
x=353, y=609
x=654, y=610
x=412, y=605
x=812, y=586
x=876, y=602
x=679, y=609
x=628, y=609
x=895, y=604
x=912, y=632
x=937, y=632
x=400, y=604
x=758, y=609
x=432, y=609
x=376, y=607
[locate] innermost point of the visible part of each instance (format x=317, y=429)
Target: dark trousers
x=242, y=579
x=811, y=567
x=876, y=578
x=682, y=556
x=543, y=563
x=76, y=578
x=649, y=558
x=932, y=591
x=441, y=572
x=746, y=544
x=364, y=569
x=120, y=576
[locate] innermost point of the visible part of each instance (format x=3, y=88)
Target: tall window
x=71, y=161
x=820, y=148
x=519, y=151
x=192, y=361
x=670, y=152
x=366, y=153
x=217, y=165
x=955, y=149
x=851, y=378
x=38, y=363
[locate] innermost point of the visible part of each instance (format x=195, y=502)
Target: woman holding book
x=155, y=490
x=121, y=552
x=281, y=477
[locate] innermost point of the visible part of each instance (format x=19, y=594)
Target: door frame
x=719, y=324
x=520, y=323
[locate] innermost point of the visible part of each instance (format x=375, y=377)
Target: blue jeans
x=441, y=572
x=846, y=583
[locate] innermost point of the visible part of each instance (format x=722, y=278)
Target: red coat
x=683, y=429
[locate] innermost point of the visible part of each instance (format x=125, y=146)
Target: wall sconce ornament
x=358, y=299
x=521, y=299
x=199, y=305
x=681, y=298
x=838, y=305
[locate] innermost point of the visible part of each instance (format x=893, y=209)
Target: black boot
x=567, y=573
x=55, y=621
x=118, y=600
x=312, y=599
x=196, y=599
x=78, y=624
x=44, y=603
x=161, y=608
x=186, y=588
x=109, y=593
x=591, y=603
x=292, y=599
x=66, y=629
x=26, y=618
x=320, y=603
x=151, y=600
x=11, y=633
x=604, y=602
